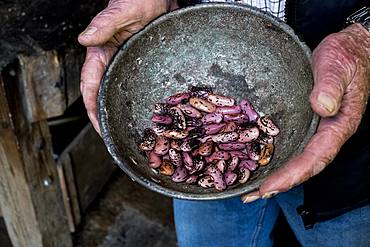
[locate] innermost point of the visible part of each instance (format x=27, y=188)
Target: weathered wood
x=30, y=196
x=42, y=86
x=72, y=64
x=4, y=118
x=92, y=165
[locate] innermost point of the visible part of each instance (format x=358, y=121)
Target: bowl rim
x=103, y=118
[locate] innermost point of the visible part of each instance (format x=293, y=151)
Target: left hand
x=341, y=70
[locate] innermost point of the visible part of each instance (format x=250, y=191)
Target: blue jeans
x=230, y=223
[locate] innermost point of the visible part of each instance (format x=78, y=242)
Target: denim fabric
x=230, y=223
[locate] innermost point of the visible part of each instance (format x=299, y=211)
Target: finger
x=333, y=71
x=91, y=74
x=107, y=23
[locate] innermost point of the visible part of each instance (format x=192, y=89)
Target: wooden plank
x=30, y=196
x=42, y=86
x=72, y=64
x=92, y=165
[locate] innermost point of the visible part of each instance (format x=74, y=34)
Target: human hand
x=106, y=32
x=341, y=70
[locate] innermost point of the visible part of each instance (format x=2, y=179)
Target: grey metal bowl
x=239, y=51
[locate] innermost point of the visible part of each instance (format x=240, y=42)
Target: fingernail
x=249, y=199
x=327, y=102
x=270, y=194
x=89, y=31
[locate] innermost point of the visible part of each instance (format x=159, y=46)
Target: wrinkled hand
x=106, y=32
x=341, y=69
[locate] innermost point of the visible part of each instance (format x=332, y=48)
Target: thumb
x=333, y=71
x=104, y=26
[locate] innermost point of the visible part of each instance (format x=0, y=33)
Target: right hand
x=106, y=32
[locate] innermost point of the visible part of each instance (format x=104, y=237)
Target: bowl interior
x=238, y=51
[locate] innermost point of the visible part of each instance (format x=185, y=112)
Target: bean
x=253, y=151
x=239, y=154
x=196, y=132
x=175, y=157
x=248, y=109
x=193, y=122
x=206, y=148
x=166, y=168
x=180, y=174
x=230, y=178
x=198, y=165
x=232, y=146
x=212, y=118
x=221, y=165
x=248, y=135
x=189, y=145
x=205, y=138
x=235, y=109
x=175, y=144
x=162, y=145
x=161, y=108
x=202, y=105
x=229, y=127
x=244, y=175
x=200, y=92
x=237, y=118
x=178, y=118
x=265, y=139
x=192, y=179
x=178, y=98
x=160, y=128
x=225, y=137
x=213, y=128
x=154, y=160
x=266, y=154
x=218, y=178
x=190, y=111
x=187, y=161
x=148, y=141
x=267, y=125
x=233, y=164
x=249, y=164
x=218, y=155
x=220, y=100
x=206, y=182
x=195, y=152
x=176, y=134
x=161, y=119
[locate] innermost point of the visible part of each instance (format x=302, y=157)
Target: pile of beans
x=203, y=138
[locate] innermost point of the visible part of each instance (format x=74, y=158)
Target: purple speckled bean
x=230, y=178
x=234, y=163
x=187, y=161
x=212, y=118
x=232, y=146
x=248, y=135
x=248, y=109
x=229, y=127
x=249, y=164
x=175, y=144
x=206, y=148
x=161, y=119
x=266, y=139
x=244, y=175
x=225, y=137
x=166, y=157
x=190, y=111
x=195, y=152
x=196, y=132
x=148, y=141
x=267, y=125
x=237, y=118
x=193, y=122
x=206, y=182
x=212, y=129
x=159, y=129
x=202, y=105
x=178, y=98
x=221, y=165
x=162, y=145
x=154, y=160
x=176, y=134
x=189, y=145
x=239, y=154
x=235, y=109
x=220, y=100
x=178, y=118
x=192, y=179
x=198, y=165
x=218, y=178
x=175, y=157
x=218, y=155
x=253, y=151
x=180, y=174
x=200, y=91
x=161, y=108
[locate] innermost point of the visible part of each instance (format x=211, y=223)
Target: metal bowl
x=239, y=51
